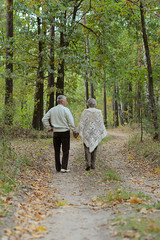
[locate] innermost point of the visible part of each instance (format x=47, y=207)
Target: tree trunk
x=138, y=107
x=150, y=76
x=115, y=107
x=9, y=66
x=120, y=111
x=91, y=86
x=38, y=101
x=86, y=91
x=88, y=75
x=139, y=87
x=130, y=104
x=105, y=104
x=50, y=96
x=124, y=113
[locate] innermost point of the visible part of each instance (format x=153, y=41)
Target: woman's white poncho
x=91, y=128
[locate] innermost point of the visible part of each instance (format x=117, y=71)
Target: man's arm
x=46, y=121
x=70, y=120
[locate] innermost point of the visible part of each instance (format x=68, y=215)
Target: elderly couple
x=91, y=129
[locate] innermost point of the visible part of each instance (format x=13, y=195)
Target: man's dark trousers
x=61, y=138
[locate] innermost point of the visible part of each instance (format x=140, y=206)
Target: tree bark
x=91, y=86
x=51, y=73
x=38, y=101
x=60, y=78
x=150, y=76
x=138, y=107
x=105, y=104
x=115, y=107
x=130, y=104
x=124, y=113
x=139, y=87
x=9, y=66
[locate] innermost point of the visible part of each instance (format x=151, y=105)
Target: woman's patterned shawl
x=91, y=128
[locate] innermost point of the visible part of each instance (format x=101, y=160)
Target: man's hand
x=75, y=134
x=51, y=130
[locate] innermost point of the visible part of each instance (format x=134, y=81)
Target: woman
x=92, y=130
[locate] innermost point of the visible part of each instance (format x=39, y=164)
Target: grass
x=120, y=195
x=140, y=228
x=110, y=175
x=10, y=166
x=148, y=149
x=106, y=139
x=80, y=159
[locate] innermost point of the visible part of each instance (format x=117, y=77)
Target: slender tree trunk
x=63, y=43
x=139, y=87
x=91, y=86
x=120, y=111
x=88, y=75
x=138, y=107
x=115, y=107
x=150, y=76
x=104, y=104
x=125, y=113
x=60, y=78
x=86, y=92
x=51, y=72
x=9, y=66
x=130, y=105
x=38, y=101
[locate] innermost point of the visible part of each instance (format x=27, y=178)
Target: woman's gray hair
x=91, y=102
x=61, y=98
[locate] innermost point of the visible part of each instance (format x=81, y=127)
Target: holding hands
x=75, y=134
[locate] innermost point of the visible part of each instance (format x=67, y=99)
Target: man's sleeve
x=70, y=120
x=45, y=120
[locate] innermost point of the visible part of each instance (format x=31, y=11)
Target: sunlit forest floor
x=120, y=199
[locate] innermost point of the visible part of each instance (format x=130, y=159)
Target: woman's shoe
x=87, y=168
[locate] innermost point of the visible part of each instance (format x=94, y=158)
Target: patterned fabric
x=91, y=128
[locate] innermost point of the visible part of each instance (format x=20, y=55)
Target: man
x=60, y=120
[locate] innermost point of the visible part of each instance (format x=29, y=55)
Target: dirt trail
x=137, y=174
x=77, y=217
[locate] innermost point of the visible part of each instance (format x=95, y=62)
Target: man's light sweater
x=60, y=119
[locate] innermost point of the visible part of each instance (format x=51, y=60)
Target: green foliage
x=111, y=175
x=148, y=149
x=10, y=164
x=140, y=228
x=116, y=195
x=116, y=54
x=121, y=195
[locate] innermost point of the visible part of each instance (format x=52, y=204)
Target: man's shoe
x=65, y=170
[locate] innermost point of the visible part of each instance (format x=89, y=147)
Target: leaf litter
x=38, y=195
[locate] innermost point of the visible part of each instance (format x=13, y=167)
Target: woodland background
x=107, y=49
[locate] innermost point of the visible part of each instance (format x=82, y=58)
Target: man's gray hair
x=61, y=98
x=91, y=102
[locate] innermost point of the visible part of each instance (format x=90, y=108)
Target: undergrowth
x=139, y=228
x=10, y=166
x=147, y=149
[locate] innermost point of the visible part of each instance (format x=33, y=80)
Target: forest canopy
x=106, y=49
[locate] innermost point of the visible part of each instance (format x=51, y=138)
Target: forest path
x=80, y=218
x=56, y=206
